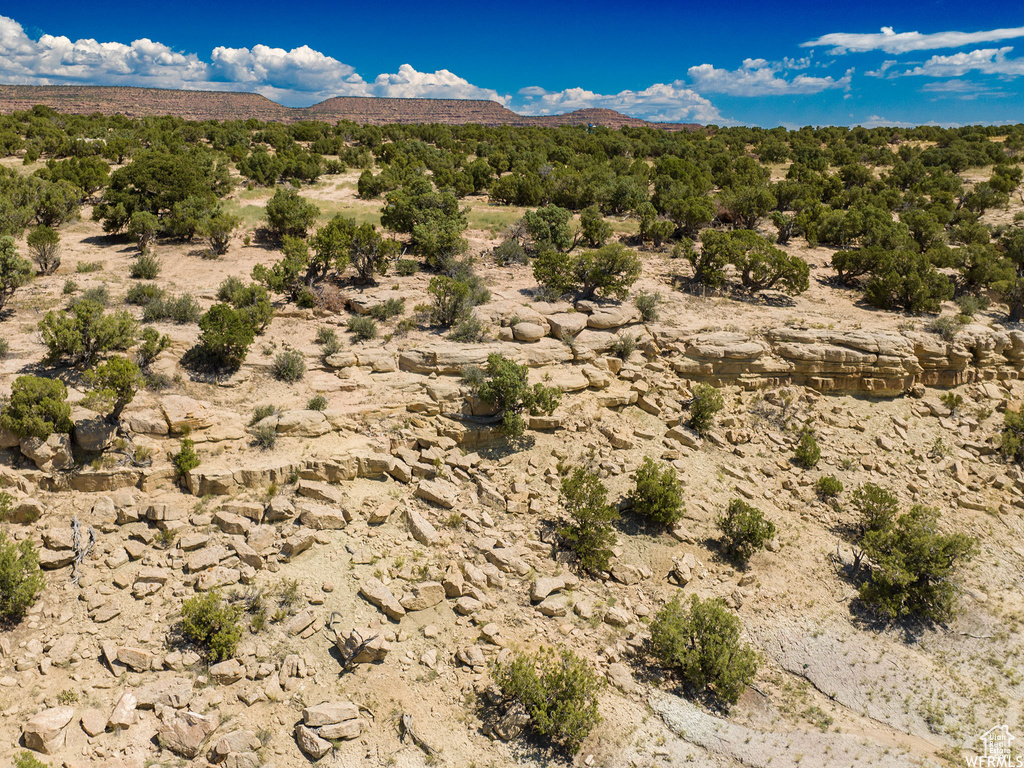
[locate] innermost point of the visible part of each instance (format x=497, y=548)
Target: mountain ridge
x=136, y=102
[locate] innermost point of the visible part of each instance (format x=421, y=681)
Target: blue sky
x=792, y=64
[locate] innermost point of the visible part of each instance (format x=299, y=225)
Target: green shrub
x=264, y=436
x=624, y=346
x=952, y=400
x=84, y=267
x=6, y=505
x=146, y=267
x=98, y=294
x=828, y=487
x=707, y=401
x=701, y=643
x=150, y=346
x=226, y=336
x=407, y=267
x=229, y=288
x=1012, y=441
x=913, y=567
x=210, y=623
x=506, y=389
x=589, y=534
x=744, y=531
x=114, y=383
x=876, y=507
x=143, y=294
x=557, y=690
x=186, y=459
x=260, y=413
x=44, y=242
x=179, y=309
x=451, y=299
x=658, y=494
x=509, y=252
x=388, y=309
x=647, y=303
x=468, y=330
x=81, y=333
x=21, y=581
x=37, y=408
x=317, y=403
x=326, y=335
x=70, y=287
x=14, y=270
x=807, y=451
x=288, y=213
x=362, y=328
x=289, y=366
x=27, y=760
x=5, y=347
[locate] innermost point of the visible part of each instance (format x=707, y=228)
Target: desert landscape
x=351, y=438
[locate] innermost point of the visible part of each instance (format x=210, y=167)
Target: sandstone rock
x=329, y=712
x=627, y=574
x=136, y=659
x=507, y=560
x=566, y=324
x=555, y=605
x=236, y=741
x=184, y=414
x=620, y=676
x=94, y=722
x=231, y=523
x=421, y=529
x=174, y=692
x=453, y=581
x=529, y=332
x=424, y=595
x=123, y=715
x=297, y=544
x=322, y=518
x=227, y=672
x=183, y=733
x=364, y=646
x=683, y=435
x=45, y=732
x=467, y=605
x=62, y=649
x=52, y=453
x=303, y=423
x=92, y=432
x=379, y=595
x=440, y=492
x=347, y=730
x=310, y=743
x=319, y=492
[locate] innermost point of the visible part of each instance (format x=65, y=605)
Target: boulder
x=92, y=432
x=183, y=733
x=424, y=595
x=45, y=732
x=421, y=529
x=310, y=743
x=379, y=595
x=440, y=492
x=364, y=645
x=52, y=453
x=329, y=712
x=323, y=518
x=184, y=414
x=123, y=715
x=566, y=324
x=227, y=672
x=529, y=332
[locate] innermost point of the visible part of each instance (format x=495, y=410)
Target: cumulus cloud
x=662, y=102
x=758, y=77
x=890, y=41
x=55, y=60
x=407, y=83
x=988, y=61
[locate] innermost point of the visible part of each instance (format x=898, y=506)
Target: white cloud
x=662, y=102
x=407, y=83
x=890, y=41
x=988, y=61
x=876, y=121
x=758, y=77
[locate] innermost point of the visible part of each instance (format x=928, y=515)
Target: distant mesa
x=224, y=105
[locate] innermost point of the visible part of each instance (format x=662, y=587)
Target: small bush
x=229, y=288
x=21, y=581
x=407, y=267
x=647, y=303
x=807, y=451
x=306, y=299
x=744, y=531
x=913, y=567
x=264, y=436
x=388, y=309
x=828, y=487
x=658, y=494
x=970, y=305
x=946, y=326
x=362, y=328
x=44, y=242
x=186, y=459
x=701, y=643
x=70, y=287
x=589, y=534
x=317, y=403
x=143, y=294
x=506, y=388
x=952, y=400
x=150, y=346
x=179, y=309
x=226, y=336
x=210, y=623
x=98, y=294
x=289, y=366
x=1012, y=442
x=707, y=401
x=260, y=413
x=5, y=347
x=326, y=335
x=146, y=267
x=557, y=690
x=510, y=252
x=37, y=408
x=84, y=267
x=468, y=330
x=27, y=760
x=623, y=346
x=876, y=507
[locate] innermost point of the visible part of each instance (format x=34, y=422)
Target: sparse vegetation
x=506, y=388
x=213, y=625
x=807, y=451
x=707, y=401
x=589, y=533
x=186, y=459
x=21, y=581
x=289, y=366
x=744, y=531
x=38, y=407
x=657, y=493
x=828, y=487
x=362, y=328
